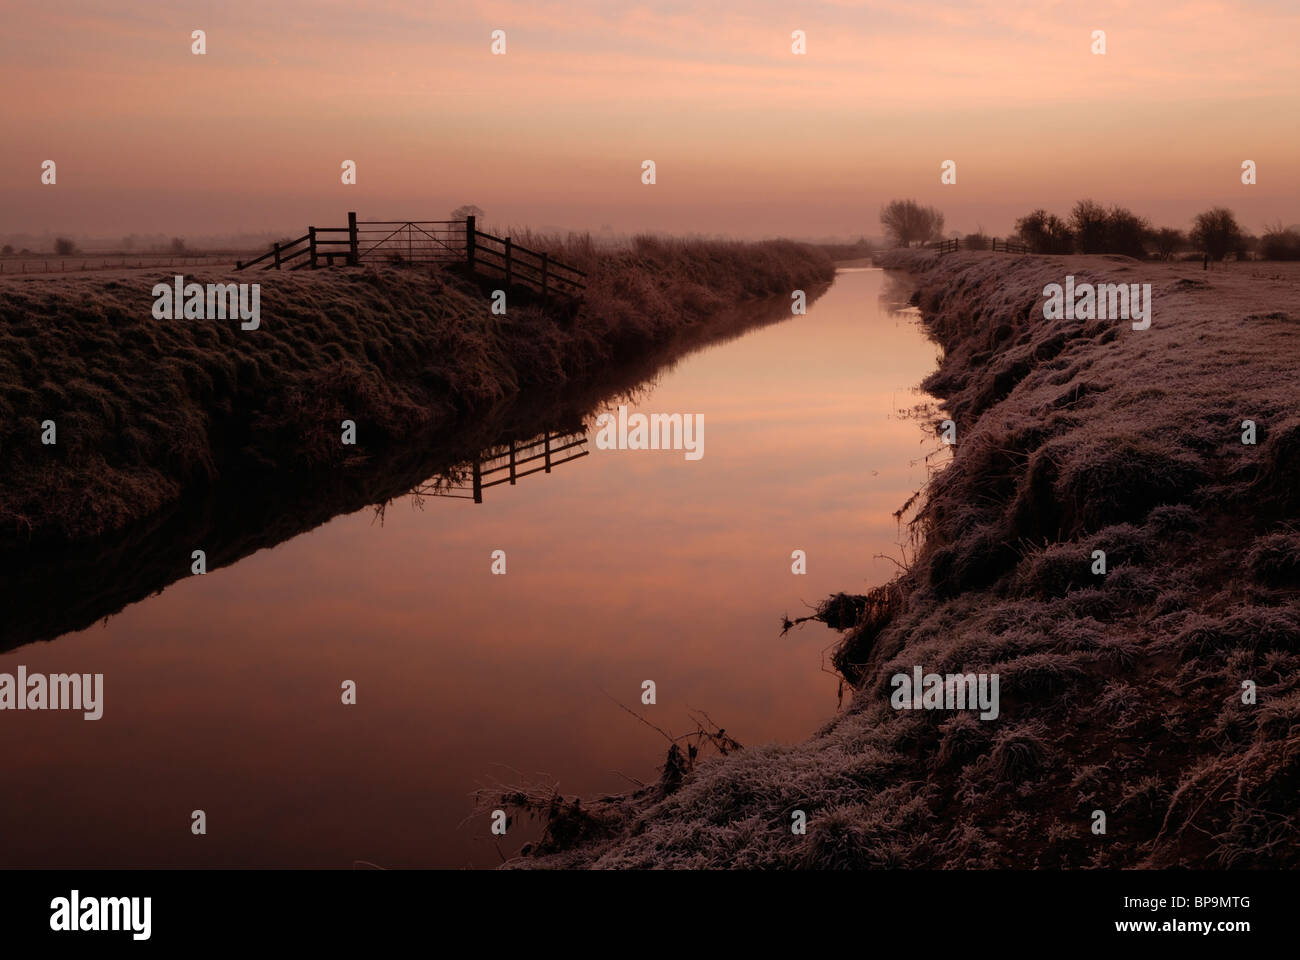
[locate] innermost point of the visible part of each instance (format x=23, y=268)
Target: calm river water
x=222, y=693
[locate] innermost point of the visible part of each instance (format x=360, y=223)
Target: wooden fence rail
x=424, y=241
x=953, y=244
x=516, y=264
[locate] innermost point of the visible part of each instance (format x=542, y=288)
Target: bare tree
x=907, y=222
x=1169, y=241
x=1045, y=232
x=1126, y=233
x=1279, y=242
x=1088, y=223
x=468, y=210
x=64, y=247
x=1216, y=232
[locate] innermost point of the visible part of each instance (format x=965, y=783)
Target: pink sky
x=749, y=139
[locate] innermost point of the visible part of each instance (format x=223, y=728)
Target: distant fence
x=424, y=241
x=953, y=244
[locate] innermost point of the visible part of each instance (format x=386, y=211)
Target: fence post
x=478, y=481
x=311, y=242
x=513, y=478
x=353, y=254
x=507, y=261
x=470, y=229
x=277, y=256
x=547, y=437
x=543, y=278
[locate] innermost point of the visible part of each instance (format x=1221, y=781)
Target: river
x=222, y=693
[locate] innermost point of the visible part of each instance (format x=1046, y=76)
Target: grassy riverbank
x=54, y=588
x=148, y=410
x=1120, y=692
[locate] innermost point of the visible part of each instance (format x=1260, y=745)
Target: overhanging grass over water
x=624, y=565
x=51, y=588
x=147, y=410
x=1122, y=692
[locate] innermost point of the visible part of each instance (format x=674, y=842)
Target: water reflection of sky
x=222, y=693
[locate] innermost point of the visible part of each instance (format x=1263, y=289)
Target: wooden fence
x=953, y=244
x=502, y=257
x=424, y=241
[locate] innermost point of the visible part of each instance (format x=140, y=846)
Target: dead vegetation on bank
x=1121, y=692
x=148, y=410
x=566, y=823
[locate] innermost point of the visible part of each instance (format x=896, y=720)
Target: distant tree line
x=67, y=247
x=1092, y=228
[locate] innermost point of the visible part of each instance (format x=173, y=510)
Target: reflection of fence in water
x=507, y=464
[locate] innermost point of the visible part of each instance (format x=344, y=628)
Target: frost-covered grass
x=147, y=410
x=1120, y=692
